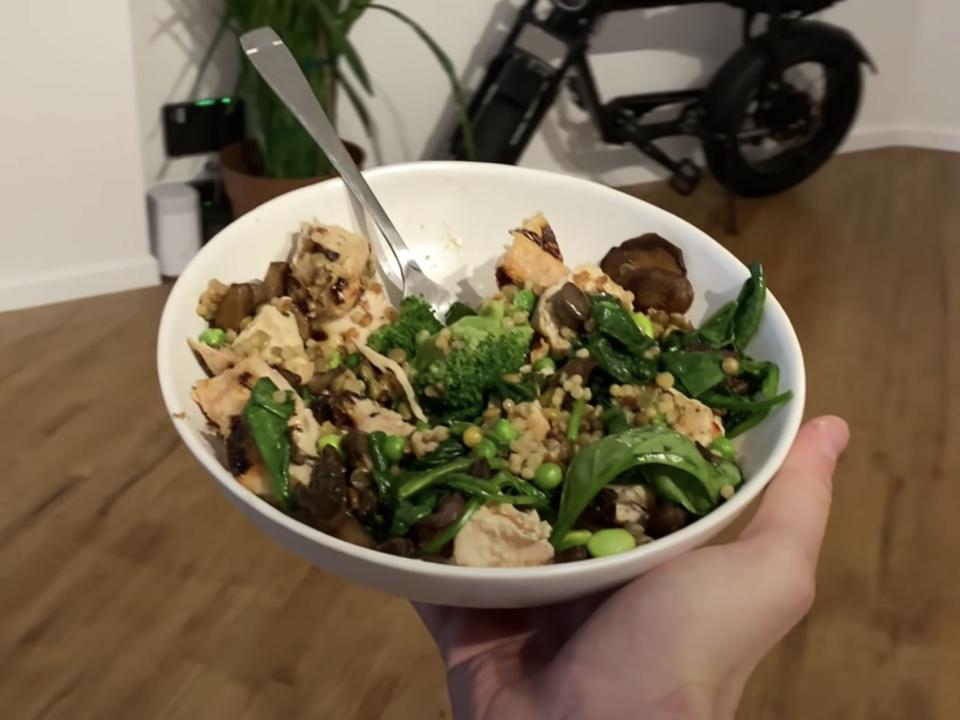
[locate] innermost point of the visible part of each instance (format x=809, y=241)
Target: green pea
x=724, y=448
x=525, y=300
x=485, y=449
x=574, y=538
x=611, y=541
x=331, y=440
x=545, y=363
x=394, y=447
x=644, y=323
x=353, y=360
x=214, y=337
x=548, y=476
x=505, y=431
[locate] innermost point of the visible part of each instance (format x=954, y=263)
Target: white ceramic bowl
x=456, y=217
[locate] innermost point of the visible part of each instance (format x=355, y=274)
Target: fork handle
x=273, y=60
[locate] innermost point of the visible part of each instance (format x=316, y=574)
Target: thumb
x=793, y=514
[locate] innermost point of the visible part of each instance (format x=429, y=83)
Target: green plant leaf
x=334, y=26
x=359, y=106
x=448, y=69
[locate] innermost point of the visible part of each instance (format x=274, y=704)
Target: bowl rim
x=167, y=340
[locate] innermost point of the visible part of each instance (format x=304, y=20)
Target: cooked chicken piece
x=300, y=473
x=332, y=265
x=372, y=312
x=499, y=535
x=385, y=364
x=632, y=503
x=689, y=417
x=593, y=281
x=216, y=360
x=533, y=257
x=275, y=337
x=223, y=397
x=369, y=417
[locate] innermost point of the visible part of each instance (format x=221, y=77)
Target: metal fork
x=273, y=60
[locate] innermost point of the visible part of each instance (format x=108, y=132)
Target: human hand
x=678, y=642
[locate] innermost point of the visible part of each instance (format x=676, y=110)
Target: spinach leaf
x=681, y=489
x=447, y=450
x=458, y=310
x=599, y=464
x=620, y=365
x=746, y=319
x=376, y=442
x=267, y=419
x=752, y=414
x=697, y=372
x=410, y=512
x=613, y=321
x=614, y=420
x=740, y=404
x=717, y=331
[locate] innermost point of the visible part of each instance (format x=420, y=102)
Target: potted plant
x=279, y=155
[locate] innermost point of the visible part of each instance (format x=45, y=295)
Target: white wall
x=934, y=98
x=684, y=45
x=71, y=183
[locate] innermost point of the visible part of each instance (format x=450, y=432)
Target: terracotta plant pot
x=247, y=190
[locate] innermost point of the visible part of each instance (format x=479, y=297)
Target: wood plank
x=130, y=588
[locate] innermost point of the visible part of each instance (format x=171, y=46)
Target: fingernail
x=835, y=435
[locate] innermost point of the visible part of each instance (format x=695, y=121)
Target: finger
x=793, y=514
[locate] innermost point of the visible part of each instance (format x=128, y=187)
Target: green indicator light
x=205, y=103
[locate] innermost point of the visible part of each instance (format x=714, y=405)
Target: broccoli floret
x=414, y=316
x=460, y=365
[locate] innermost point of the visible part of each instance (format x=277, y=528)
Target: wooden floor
x=130, y=589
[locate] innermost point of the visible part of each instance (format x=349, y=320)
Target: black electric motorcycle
x=769, y=118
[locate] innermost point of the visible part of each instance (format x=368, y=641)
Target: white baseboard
x=73, y=283
x=920, y=136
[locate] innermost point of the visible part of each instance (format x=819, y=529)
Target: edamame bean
x=485, y=449
x=545, y=363
x=574, y=538
x=331, y=440
x=610, y=541
x=505, y=431
x=214, y=337
x=394, y=447
x=548, y=476
x=724, y=448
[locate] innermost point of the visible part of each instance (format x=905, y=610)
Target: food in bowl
x=575, y=413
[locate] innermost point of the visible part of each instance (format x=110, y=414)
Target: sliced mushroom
x=239, y=302
x=570, y=306
x=275, y=281
x=324, y=498
x=652, y=269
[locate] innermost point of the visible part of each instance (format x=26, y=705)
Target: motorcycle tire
x=733, y=92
